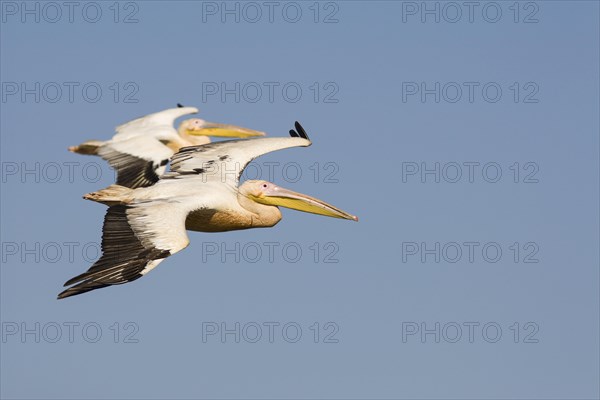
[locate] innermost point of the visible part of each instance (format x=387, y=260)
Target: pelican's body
x=141, y=149
x=200, y=193
x=213, y=207
x=230, y=219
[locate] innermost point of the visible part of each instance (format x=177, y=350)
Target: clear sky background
x=372, y=127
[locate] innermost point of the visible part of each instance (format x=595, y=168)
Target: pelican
x=201, y=192
x=141, y=149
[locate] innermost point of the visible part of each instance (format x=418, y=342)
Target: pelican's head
x=196, y=130
x=267, y=193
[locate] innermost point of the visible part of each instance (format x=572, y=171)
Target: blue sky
x=465, y=139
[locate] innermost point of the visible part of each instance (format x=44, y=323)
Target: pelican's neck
x=182, y=130
x=175, y=143
x=262, y=214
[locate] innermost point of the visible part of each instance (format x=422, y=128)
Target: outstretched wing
x=154, y=125
x=136, y=238
x=225, y=161
x=139, y=151
x=138, y=161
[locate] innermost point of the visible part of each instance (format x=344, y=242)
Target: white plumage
x=141, y=148
x=144, y=226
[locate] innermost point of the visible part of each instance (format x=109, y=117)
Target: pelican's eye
x=265, y=185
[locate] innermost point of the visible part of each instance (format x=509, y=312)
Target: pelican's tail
x=89, y=148
x=112, y=195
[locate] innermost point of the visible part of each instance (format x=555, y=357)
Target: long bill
x=224, y=130
x=278, y=196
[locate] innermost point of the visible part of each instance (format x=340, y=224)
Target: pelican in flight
x=141, y=149
x=201, y=192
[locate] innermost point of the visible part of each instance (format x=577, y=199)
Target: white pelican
x=141, y=149
x=200, y=193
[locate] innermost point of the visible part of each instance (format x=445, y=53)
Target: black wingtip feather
x=124, y=256
x=179, y=105
x=299, y=132
x=80, y=289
